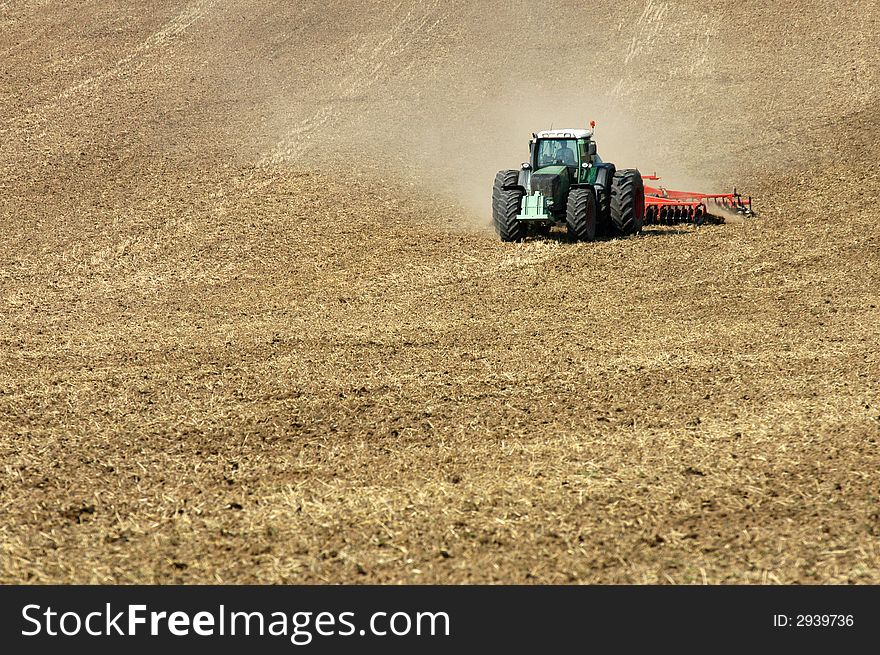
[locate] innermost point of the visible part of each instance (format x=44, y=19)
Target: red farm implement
x=667, y=207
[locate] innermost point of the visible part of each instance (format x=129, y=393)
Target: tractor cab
x=573, y=149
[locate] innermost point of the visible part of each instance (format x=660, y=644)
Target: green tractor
x=566, y=183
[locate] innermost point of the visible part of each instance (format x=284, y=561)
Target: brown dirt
x=256, y=329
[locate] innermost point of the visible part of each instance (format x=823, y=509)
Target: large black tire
x=506, y=205
x=627, y=202
x=580, y=214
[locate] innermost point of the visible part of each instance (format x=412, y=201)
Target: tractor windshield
x=557, y=152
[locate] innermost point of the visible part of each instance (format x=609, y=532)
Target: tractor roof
x=565, y=134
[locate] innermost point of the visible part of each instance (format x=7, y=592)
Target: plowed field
x=255, y=325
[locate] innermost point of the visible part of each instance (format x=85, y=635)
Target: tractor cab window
x=557, y=152
x=584, y=148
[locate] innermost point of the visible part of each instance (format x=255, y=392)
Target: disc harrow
x=669, y=207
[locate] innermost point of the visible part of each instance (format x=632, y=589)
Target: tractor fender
x=604, y=176
x=602, y=186
x=524, y=181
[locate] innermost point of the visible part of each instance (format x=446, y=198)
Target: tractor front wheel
x=580, y=214
x=627, y=202
x=506, y=205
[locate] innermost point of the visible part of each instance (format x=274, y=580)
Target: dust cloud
x=437, y=97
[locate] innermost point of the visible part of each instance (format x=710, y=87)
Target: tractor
x=566, y=183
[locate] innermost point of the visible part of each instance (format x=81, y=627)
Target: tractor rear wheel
x=506, y=205
x=627, y=202
x=580, y=214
